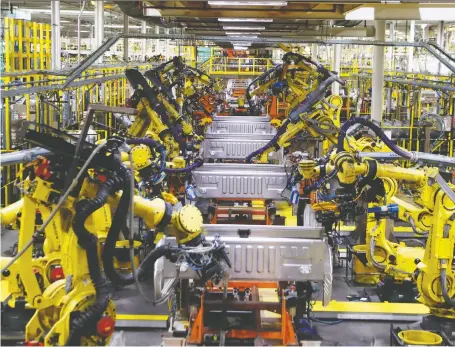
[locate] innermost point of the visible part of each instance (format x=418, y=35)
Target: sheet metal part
x=262, y=259
x=264, y=230
x=248, y=181
x=236, y=146
x=241, y=126
x=236, y=119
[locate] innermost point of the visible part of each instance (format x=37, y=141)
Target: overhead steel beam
x=240, y=12
x=340, y=32
x=403, y=11
x=433, y=49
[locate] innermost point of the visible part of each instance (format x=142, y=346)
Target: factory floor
x=344, y=333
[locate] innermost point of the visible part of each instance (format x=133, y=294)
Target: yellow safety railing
x=237, y=66
x=39, y=97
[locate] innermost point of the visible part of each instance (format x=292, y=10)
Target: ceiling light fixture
x=247, y=3
x=240, y=48
x=242, y=28
x=241, y=43
x=152, y=12
x=258, y=20
x=235, y=33
x=426, y=13
x=243, y=37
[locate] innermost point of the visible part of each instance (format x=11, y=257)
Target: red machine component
x=56, y=273
x=105, y=326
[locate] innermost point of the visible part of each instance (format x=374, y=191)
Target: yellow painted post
x=35, y=45
x=41, y=45
x=8, y=42
x=20, y=28
x=419, y=112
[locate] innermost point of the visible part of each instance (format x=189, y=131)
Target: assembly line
x=214, y=206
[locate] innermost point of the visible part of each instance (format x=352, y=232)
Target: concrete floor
x=342, y=334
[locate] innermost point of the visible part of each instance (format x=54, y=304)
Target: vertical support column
x=391, y=55
x=55, y=34
x=157, y=42
x=99, y=23
x=314, y=51
x=144, y=42
x=336, y=67
x=166, y=49
x=412, y=32
x=377, y=82
x=440, y=41
x=126, y=29
x=79, y=32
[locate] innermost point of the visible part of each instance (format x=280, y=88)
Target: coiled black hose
x=270, y=144
x=315, y=96
x=445, y=293
x=377, y=130
x=89, y=243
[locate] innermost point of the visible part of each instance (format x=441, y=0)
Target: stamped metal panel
x=241, y=127
x=305, y=232
x=264, y=259
x=261, y=181
x=237, y=119
x=220, y=146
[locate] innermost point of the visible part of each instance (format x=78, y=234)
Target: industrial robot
x=309, y=110
x=83, y=184
x=431, y=210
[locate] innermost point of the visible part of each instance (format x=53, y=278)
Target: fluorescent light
x=241, y=43
x=235, y=33
x=259, y=20
x=240, y=48
x=247, y=3
x=362, y=13
x=243, y=37
x=435, y=13
x=152, y=12
x=426, y=13
x=242, y=28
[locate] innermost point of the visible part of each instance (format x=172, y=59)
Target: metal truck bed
x=263, y=259
x=236, y=147
x=248, y=181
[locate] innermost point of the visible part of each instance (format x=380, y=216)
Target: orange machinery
x=200, y=330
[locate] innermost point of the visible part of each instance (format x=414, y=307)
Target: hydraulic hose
x=312, y=98
x=89, y=242
x=445, y=293
x=270, y=144
x=414, y=228
x=57, y=207
x=116, y=226
x=318, y=183
x=377, y=130
x=189, y=168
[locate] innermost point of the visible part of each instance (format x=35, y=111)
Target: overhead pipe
x=24, y=156
x=416, y=157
